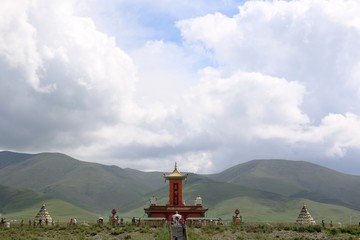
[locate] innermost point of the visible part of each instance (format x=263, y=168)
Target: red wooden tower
x=175, y=187
x=175, y=203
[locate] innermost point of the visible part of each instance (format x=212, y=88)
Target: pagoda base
x=167, y=211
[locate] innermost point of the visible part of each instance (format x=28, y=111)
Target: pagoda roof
x=175, y=174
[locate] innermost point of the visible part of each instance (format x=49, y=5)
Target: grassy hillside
x=88, y=185
x=9, y=158
x=262, y=210
x=59, y=210
x=152, y=180
x=266, y=210
x=263, y=190
x=255, y=205
x=212, y=192
x=297, y=179
x=14, y=199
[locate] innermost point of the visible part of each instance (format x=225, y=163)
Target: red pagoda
x=175, y=204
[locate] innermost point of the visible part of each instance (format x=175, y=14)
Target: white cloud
x=91, y=78
x=18, y=42
x=165, y=70
x=245, y=99
x=341, y=132
x=306, y=41
x=277, y=79
x=307, y=46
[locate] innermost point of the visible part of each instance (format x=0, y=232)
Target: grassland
x=269, y=211
x=223, y=232
x=265, y=191
x=59, y=210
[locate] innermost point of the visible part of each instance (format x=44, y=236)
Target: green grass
x=66, y=232
x=268, y=210
x=249, y=231
x=257, y=210
x=274, y=231
x=59, y=210
x=252, y=210
x=88, y=190
x=13, y=199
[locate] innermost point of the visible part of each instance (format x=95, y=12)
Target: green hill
x=296, y=179
x=14, y=199
x=59, y=210
x=255, y=205
x=266, y=210
x=91, y=186
x=10, y=158
x=263, y=190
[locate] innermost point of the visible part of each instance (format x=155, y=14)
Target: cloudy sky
x=209, y=84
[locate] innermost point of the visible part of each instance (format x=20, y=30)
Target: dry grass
x=227, y=232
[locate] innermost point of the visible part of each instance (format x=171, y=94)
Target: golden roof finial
x=175, y=174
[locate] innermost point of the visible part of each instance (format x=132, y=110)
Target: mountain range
x=263, y=190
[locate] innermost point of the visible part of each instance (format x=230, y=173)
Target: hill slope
x=296, y=179
x=90, y=186
x=10, y=158
x=14, y=199
x=59, y=210
x=262, y=186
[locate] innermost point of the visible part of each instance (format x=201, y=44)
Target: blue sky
x=209, y=84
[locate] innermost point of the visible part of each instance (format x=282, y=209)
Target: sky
x=207, y=84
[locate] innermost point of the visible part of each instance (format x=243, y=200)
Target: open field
x=144, y=232
x=267, y=210
x=60, y=211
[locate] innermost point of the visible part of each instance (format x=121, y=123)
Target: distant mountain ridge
x=296, y=179
x=10, y=158
x=266, y=185
x=92, y=186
